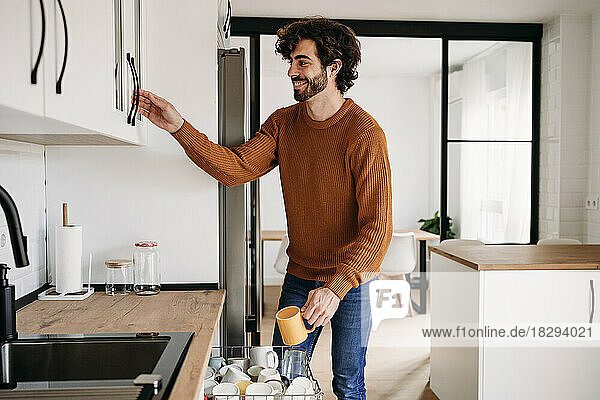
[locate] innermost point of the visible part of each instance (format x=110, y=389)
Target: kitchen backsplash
x=22, y=174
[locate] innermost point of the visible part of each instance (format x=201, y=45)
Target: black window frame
x=253, y=27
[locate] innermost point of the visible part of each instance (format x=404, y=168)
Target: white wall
x=22, y=174
x=550, y=131
x=593, y=216
x=565, y=129
x=404, y=115
x=122, y=195
x=574, y=124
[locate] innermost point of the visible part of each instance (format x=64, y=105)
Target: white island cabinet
x=505, y=286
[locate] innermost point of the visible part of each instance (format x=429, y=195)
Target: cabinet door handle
x=593, y=298
x=117, y=85
x=41, y=50
x=130, y=114
x=227, y=22
x=133, y=79
x=64, y=63
x=137, y=94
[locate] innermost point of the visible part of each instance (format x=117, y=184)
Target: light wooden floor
x=397, y=368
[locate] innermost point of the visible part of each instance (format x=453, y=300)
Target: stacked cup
x=264, y=361
x=233, y=380
x=257, y=376
x=300, y=386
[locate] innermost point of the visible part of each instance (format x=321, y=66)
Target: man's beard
x=313, y=86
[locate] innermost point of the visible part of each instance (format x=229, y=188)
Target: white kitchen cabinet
x=85, y=92
x=133, y=28
x=542, y=298
x=224, y=11
x=86, y=81
x=461, y=295
x=20, y=38
x=455, y=293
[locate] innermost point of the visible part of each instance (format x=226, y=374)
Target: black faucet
x=8, y=317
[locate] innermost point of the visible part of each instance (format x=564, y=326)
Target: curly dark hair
x=333, y=40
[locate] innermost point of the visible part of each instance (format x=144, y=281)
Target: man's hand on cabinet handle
x=159, y=111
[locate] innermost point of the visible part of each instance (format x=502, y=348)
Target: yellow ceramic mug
x=291, y=325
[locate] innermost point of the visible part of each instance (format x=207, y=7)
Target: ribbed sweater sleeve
x=370, y=168
x=236, y=165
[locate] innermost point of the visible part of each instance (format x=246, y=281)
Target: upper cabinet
x=91, y=58
x=23, y=32
x=223, y=23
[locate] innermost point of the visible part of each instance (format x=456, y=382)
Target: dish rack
x=244, y=351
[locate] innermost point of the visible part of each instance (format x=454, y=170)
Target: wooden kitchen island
x=186, y=311
x=491, y=286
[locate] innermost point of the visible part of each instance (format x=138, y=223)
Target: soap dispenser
x=8, y=329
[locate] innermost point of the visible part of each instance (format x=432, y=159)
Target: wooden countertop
x=193, y=311
x=524, y=257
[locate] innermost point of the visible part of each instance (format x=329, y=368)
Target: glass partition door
x=490, y=140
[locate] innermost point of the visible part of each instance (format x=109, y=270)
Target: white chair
x=558, y=241
x=281, y=261
x=460, y=242
x=400, y=259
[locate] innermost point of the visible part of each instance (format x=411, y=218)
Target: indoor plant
x=433, y=226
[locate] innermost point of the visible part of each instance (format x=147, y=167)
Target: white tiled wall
x=549, y=131
x=593, y=216
x=575, y=38
x=22, y=174
x=564, y=127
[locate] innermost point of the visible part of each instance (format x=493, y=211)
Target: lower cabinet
x=483, y=369
x=561, y=370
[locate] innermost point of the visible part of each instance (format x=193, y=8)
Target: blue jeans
x=350, y=329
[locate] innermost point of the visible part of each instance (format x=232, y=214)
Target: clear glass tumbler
x=119, y=277
x=146, y=261
x=294, y=363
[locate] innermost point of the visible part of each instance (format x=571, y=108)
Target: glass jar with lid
x=146, y=261
x=119, y=276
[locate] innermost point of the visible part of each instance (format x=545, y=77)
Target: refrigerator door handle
x=256, y=265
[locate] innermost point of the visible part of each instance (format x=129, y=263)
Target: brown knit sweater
x=336, y=182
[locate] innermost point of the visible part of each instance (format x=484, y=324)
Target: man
x=336, y=183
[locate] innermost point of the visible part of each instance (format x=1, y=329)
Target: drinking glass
x=294, y=363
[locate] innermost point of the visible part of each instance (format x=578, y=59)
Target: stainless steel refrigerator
x=240, y=269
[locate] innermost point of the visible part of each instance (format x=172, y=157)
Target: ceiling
x=428, y=10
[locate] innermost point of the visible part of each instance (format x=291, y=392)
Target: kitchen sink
x=91, y=363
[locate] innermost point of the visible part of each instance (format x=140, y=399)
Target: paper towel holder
x=52, y=294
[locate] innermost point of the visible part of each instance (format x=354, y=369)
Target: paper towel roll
x=69, y=249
